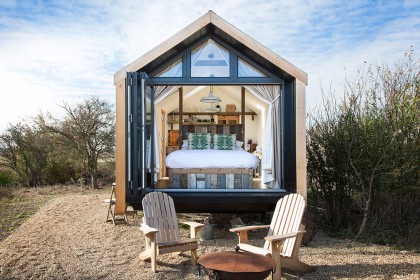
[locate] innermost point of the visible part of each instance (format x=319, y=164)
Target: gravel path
x=68, y=239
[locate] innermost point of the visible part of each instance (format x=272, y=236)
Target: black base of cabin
x=218, y=202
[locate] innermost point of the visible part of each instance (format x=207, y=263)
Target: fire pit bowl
x=236, y=265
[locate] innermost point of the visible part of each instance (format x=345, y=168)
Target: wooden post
x=120, y=148
x=301, y=139
x=243, y=113
x=181, y=109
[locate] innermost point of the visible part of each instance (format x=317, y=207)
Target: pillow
x=239, y=144
x=184, y=143
x=199, y=141
x=224, y=141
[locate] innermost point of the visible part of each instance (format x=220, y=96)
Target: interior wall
x=192, y=103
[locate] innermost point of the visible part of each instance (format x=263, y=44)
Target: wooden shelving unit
x=223, y=115
x=214, y=113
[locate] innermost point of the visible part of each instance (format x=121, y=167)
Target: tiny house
x=214, y=119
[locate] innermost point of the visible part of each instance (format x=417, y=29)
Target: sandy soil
x=69, y=239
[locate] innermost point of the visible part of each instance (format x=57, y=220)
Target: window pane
x=210, y=60
x=246, y=70
x=174, y=70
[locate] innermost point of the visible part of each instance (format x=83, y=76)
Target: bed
x=211, y=169
x=211, y=159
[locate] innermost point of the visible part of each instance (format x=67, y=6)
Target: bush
x=106, y=172
x=363, y=154
x=60, y=172
x=7, y=177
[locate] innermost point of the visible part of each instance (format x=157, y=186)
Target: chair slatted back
x=159, y=212
x=287, y=218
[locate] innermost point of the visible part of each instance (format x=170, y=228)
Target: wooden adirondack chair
x=284, y=235
x=160, y=227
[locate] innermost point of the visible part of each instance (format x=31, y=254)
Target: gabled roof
x=212, y=24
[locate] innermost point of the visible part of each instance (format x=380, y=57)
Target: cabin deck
x=257, y=200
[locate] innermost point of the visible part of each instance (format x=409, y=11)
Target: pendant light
x=210, y=98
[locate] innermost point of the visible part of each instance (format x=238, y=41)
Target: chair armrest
x=148, y=231
x=194, y=228
x=274, y=238
x=192, y=224
x=242, y=232
x=247, y=228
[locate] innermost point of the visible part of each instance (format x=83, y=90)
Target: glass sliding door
x=140, y=133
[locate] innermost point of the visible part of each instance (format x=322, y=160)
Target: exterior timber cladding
x=293, y=83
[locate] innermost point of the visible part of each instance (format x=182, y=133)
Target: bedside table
x=170, y=149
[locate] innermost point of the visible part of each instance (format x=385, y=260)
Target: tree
x=88, y=128
x=24, y=150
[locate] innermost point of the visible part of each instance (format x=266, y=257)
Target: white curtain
x=156, y=152
x=271, y=150
x=160, y=93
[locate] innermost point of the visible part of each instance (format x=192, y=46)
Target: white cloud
x=67, y=50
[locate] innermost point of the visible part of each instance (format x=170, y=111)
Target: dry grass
x=68, y=239
x=19, y=204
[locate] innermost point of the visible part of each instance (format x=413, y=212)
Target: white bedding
x=211, y=159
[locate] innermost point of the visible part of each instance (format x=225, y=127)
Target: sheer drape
x=271, y=160
x=159, y=94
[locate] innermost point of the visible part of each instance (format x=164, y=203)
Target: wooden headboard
x=214, y=128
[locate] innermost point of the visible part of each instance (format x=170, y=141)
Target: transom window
x=246, y=70
x=210, y=60
x=173, y=70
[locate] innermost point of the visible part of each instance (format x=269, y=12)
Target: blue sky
x=55, y=51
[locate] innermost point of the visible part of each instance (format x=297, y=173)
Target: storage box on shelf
x=230, y=108
x=227, y=119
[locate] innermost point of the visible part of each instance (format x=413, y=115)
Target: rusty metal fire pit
x=236, y=265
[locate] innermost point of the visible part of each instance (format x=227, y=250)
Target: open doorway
x=238, y=112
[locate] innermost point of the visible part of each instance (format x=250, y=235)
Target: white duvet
x=211, y=159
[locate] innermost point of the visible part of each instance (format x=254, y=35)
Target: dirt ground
x=69, y=239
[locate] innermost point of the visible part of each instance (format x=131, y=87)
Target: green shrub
x=59, y=172
x=362, y=152
x=106, y=172
x=7, y=177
